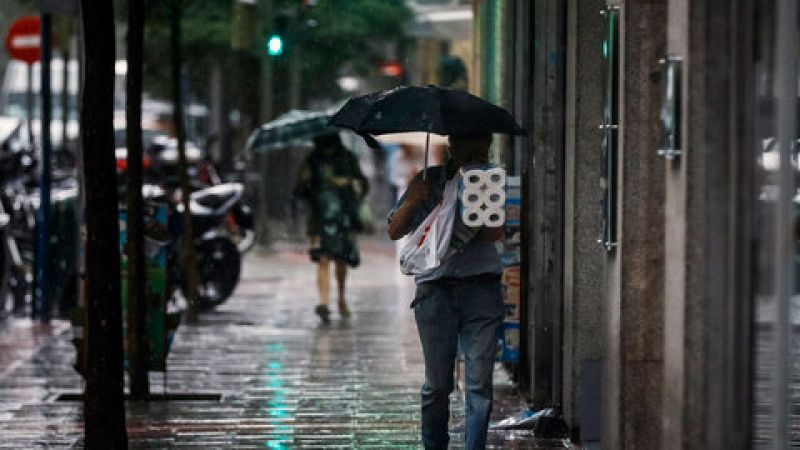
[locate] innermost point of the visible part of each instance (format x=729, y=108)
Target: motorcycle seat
x=219, y=196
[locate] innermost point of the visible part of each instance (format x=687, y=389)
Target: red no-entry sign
x=23, y=40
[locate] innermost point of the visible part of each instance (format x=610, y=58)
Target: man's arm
x=398, y=223
x=418, y=191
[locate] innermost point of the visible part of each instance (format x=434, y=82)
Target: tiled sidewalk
x=286, y=381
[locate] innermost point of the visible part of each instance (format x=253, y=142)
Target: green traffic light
x=275, y=45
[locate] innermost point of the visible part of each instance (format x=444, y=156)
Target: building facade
x=659, y=238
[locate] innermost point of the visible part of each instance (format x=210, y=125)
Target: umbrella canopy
x=292, y=128
x=429, y=109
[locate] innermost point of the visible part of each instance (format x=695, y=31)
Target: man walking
x=458, y=303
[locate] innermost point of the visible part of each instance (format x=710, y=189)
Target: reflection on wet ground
x=286, y=381
x=762, y=431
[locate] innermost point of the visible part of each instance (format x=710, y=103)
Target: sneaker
x=344, y=311
x=323, y=312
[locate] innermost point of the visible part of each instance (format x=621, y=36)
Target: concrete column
x=545, y=203
x=583, y=256
x=675, y=232
x=721, y=225
x=633, y=382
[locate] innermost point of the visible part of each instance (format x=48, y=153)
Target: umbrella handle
x=427, y=147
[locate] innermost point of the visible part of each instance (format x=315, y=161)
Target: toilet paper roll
x=495, y=218
x=496, y=177
x=494, y=197
x=473, y=217
x=472, y=197
x=474, y=178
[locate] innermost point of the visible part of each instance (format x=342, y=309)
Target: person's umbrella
x=430, y=109
x=292, y=128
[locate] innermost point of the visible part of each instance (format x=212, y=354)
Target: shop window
x=610, y=128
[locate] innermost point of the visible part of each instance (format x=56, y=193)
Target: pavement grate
x=171, y=397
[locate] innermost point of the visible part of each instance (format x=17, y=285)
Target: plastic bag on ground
x=545, y=423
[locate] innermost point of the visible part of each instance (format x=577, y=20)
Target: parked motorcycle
x=17, y=168
x=222, y=222
x=216, y=213
x=223, y=230
x=5, y=271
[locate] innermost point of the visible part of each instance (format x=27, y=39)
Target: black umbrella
x=431, y=109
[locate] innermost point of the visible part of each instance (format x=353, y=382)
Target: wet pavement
x=763, y=385
x=285, y=380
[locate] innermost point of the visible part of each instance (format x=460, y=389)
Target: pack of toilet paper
x=483, y=196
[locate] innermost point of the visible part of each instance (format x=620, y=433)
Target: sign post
x=29, y=40
x=23, y=43
x=24, y=39
x=43, y=255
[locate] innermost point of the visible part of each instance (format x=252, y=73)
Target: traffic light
x=275, y=45
x=276, y=42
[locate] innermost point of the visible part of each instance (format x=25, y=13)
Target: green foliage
x=206, y=36
x=347, y=32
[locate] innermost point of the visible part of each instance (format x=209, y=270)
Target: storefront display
x=509, y=339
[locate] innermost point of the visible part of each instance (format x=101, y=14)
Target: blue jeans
x=446, y=314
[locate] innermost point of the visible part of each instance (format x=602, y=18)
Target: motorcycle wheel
x=19, y=287
x=219, y=266
x=5, y=275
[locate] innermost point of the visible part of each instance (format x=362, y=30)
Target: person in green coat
x=332, y=184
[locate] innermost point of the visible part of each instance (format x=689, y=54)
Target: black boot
x=324, y=313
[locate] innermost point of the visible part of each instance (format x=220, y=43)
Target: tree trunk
x=137, y=298
x=104, y=406
x=189, y=257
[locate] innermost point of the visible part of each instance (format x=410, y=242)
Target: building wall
x=666, y=311
x=675, y=249
x=583, y=256
x=720, y=210
x=639, y=257
x=545, y=187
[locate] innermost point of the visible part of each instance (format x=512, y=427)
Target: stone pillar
x=544, y=179
x=675, y=232
x=722, y=223
x=633, y=382
x=583, y=256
